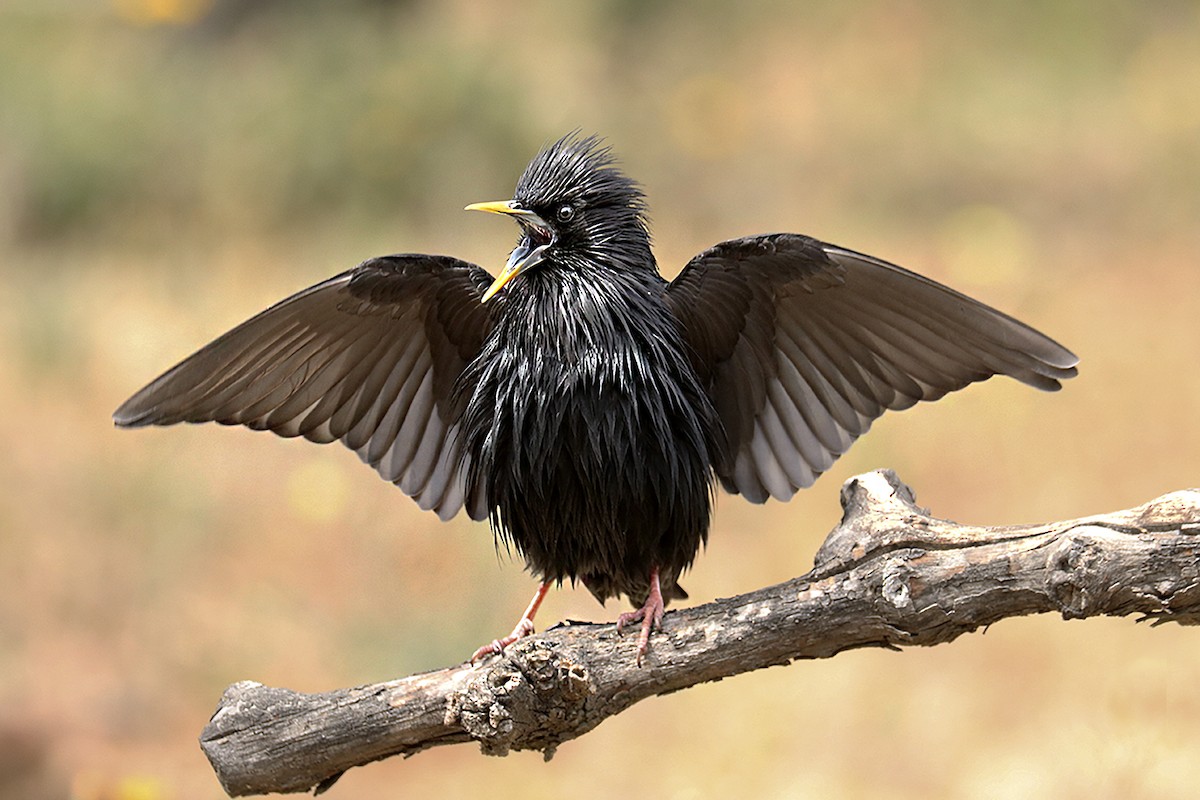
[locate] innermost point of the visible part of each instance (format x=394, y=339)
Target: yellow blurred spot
x=984, y=244
x=706, y=116
x=162, y=12
x=140, y=787
x=317, y=491
x=91, y=786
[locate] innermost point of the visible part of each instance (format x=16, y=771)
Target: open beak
x=538, y=237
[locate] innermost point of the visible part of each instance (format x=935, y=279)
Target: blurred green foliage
x=256, y=114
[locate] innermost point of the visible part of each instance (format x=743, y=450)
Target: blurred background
x=170, y=167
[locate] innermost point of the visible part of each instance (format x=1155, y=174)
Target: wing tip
x=1067, y=361
x=1051, y=353
x=129, y=415
x=1049, y=378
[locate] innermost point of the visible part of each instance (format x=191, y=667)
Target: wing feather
x=369, y=357
x=803, y=345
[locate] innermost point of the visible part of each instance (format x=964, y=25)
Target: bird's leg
x=650, y=614
x=524, y=626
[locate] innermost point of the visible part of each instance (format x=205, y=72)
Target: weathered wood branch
x=889, y=575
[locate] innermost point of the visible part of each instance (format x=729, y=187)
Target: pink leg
x=524, y=626
x=650, y=614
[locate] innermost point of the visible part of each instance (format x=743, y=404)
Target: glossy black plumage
x=588, y=407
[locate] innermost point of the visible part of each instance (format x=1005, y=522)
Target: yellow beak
x=524, y=256
x=495, y=207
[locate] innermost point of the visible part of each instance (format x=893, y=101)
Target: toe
x=496, y=646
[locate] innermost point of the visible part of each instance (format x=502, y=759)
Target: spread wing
x=803, y=344
x=368, y=358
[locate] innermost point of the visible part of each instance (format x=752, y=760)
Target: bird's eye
x=565, y=213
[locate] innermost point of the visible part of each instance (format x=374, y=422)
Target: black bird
x=582, y=403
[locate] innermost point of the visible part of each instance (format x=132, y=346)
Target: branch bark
x=889, y=575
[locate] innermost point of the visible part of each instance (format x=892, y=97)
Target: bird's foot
x=523, y=629
x=650, y=615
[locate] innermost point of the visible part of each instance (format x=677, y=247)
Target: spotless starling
x=580, y=402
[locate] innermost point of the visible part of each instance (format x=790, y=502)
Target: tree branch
x=888, y=576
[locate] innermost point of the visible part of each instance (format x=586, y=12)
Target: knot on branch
x=1177, y=509
x=879, y=511
x=533, y=699
x=1073, y=561
x=896, y=589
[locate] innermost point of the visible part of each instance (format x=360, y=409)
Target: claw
x=650, y=615
x=524, y=627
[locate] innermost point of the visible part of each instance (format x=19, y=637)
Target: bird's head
x=576, y=210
